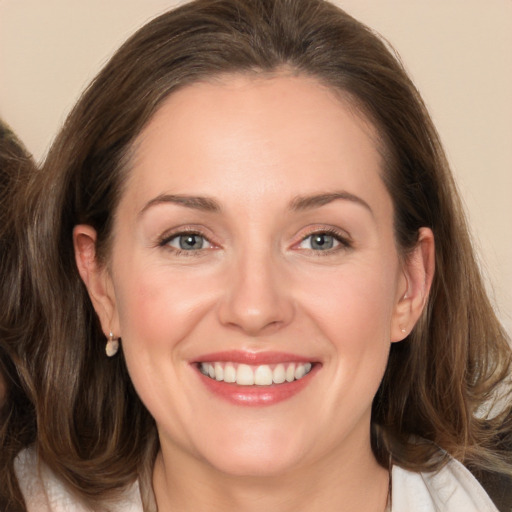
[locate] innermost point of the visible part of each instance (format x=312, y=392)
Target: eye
x=323, y=241
x=188, y=242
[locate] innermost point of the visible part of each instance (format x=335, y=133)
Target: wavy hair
x=17, y=417
x=92, y=429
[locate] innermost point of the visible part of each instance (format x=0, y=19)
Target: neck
x=349, y=483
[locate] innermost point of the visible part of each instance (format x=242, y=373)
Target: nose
x=257, y=298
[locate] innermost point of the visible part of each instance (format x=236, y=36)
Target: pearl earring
x=112, y=345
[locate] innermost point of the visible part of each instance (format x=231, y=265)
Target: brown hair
x=93, y=431
x=17, y=418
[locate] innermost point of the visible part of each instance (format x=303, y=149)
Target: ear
x=418, y=272
x=96, y=278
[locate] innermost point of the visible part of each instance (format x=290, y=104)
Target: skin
x=253, y=145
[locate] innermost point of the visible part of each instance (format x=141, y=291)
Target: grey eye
x=189, y=242
x=319, y=242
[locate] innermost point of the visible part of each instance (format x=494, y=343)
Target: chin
x=255, y=466
x=261, y=455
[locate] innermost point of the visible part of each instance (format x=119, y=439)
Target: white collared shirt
x=452, y=489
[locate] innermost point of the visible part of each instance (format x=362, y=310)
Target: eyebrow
x=204, y=204
x=298, y=203
x=301, y=203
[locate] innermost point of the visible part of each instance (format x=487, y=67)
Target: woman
x=250, y=212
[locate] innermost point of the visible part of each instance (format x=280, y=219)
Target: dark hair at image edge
x=17, y=417
x=92, y=429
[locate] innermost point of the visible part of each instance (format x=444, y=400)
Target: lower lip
x=257, y=395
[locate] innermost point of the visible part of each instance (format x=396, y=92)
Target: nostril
x=255, y=299
x=255, y=326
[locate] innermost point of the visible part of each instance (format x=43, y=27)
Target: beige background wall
x=459, y=53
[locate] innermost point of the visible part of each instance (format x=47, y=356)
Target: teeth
x=244, y=375
x=229, y=373
x=262, y=375
x=219, y=371
x=300, y=371
x=279, y=375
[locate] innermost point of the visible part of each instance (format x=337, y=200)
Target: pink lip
x=255, y=395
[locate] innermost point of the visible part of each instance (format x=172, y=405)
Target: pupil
x=190, y=242
x=322, y=242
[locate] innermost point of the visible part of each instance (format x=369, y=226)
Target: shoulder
x=451, y=489
x=43, y=492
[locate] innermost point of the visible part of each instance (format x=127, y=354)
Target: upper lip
x=252, y=358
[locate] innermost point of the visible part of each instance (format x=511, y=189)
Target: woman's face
x=254, y=243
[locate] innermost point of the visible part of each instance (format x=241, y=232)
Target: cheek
x=159, y=304
x=158, y=309
x=355, y=302
x=354, y=314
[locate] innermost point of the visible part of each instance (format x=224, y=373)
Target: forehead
x=266, y=131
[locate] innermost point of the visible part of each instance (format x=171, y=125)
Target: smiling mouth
x=254, y=375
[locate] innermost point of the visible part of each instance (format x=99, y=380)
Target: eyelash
x=344, y=242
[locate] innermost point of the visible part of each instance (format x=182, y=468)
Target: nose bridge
x=256, y=299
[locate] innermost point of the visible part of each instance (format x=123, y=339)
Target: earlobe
x=95, y=277
x=418, y=273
